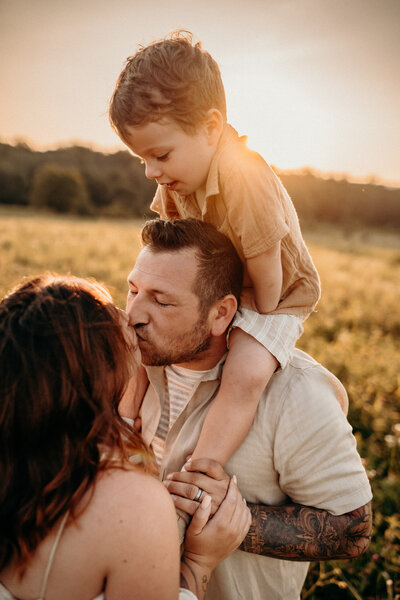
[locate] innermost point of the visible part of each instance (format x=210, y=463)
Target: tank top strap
x=52, y=554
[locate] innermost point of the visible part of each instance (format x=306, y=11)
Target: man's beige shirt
x=300, y=447
x=247, y=202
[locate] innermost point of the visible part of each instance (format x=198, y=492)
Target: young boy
x=169, y=108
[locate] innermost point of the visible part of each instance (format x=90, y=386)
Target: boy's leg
x=247, y=370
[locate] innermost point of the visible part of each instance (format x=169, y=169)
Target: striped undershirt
x=180, y=385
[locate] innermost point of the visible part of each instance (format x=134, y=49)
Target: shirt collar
x=228, y=137
x=157, y=377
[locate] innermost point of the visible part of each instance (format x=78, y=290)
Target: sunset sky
x=311, y=82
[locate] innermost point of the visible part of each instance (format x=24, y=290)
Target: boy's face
x=172, y=157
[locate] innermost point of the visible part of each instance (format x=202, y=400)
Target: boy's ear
x=222, y=314
x=214, y=123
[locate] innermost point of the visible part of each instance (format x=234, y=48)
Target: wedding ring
x=199, y=495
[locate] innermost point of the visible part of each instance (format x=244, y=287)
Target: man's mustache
x=140, y=331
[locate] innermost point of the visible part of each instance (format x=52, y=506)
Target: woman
x=80, y=514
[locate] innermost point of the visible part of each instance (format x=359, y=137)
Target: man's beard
x=187, y=347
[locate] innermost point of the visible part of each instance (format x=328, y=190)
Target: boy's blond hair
x=173, y=78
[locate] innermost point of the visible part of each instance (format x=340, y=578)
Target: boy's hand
x=204, y=474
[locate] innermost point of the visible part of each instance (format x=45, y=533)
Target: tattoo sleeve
x=302, y=533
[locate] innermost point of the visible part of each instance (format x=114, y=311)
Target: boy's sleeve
x=277, y=333
x=255, y=203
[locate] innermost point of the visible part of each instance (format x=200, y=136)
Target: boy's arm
x=265, y=271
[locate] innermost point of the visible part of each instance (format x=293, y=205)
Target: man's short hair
x=220, y=270
x=172, y=78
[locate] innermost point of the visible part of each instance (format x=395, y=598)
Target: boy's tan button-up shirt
x=247, y=202
x=300, y=447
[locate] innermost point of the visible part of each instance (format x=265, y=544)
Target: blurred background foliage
x=355, y=333
x=78, y=180
x=74, y=180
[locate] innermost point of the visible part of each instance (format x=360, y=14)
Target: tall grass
x=105, y=250
x=355, y=333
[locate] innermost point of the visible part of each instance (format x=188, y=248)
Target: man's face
x=165, y=311
x=172, y=157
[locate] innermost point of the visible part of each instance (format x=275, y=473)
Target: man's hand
x=203, y=473
x=290, y=531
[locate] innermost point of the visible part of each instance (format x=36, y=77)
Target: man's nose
x=136, y=309
x=152, y=170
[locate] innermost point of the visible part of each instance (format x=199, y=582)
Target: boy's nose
x=152, y=170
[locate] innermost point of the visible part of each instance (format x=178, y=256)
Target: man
x=298, y=467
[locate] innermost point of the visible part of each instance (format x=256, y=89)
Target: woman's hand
x=208, y=542
x=131, y=401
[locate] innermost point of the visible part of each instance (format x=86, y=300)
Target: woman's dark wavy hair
x=64, y=365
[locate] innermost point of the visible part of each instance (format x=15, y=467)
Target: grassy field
x=102, y=249
x=355, y=333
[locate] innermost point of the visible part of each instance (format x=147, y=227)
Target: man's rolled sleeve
x=315, y=450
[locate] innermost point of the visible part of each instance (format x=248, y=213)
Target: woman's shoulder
x=133, y=481
x=125, y=519
x=127, y=516
x=130, y=497
x=133, y=526
x=121, y=489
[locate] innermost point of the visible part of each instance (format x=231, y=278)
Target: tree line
x=74, y=180
x=78, y=180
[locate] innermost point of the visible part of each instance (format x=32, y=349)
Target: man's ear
x=214, y=123
x=222, y=314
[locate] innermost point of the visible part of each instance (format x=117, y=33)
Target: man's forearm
x=296, y=532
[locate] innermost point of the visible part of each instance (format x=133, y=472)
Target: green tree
x=12, y=187
x=61, y=189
